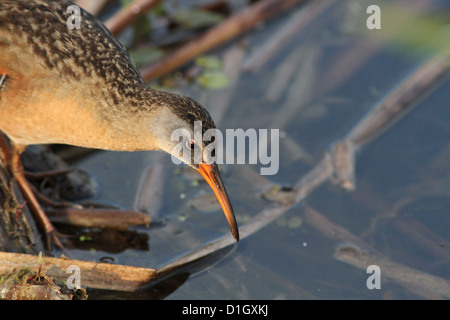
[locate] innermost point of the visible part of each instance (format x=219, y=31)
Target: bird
x=79, y=86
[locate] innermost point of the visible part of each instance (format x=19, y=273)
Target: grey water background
x=402, y=176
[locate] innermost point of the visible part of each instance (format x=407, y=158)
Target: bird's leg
x=18, y=173
x=3, y=80
x=5, y=154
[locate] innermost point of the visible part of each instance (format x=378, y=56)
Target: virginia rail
x=80, y=87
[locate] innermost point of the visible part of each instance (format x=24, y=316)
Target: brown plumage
x=80, y=87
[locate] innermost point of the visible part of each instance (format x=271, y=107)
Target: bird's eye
x=190, y=144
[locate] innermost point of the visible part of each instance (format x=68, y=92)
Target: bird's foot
x=27, y=191
x=52, y=237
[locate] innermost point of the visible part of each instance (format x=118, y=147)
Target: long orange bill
x=212, y=176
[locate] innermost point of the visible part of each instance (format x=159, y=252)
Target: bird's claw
x=52, y=237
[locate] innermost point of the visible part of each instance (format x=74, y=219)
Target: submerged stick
x=301, y=87
x=403, y=98
x=299, y=20
x=356, y=252
x=331, y=230
x=150, y=191
x=388, y=111
x=284, y=74
x=220, y=100
x=423, y=283
x=225, y=31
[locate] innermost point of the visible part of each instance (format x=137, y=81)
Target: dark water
x=401, y=203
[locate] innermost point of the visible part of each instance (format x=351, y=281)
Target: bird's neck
x=130, y=122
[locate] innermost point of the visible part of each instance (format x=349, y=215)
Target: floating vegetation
x=26, y=284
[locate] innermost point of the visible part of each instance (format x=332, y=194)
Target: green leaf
x=407, y=30
x=197, y=18
x=213, y=80
x=208, y=62
x=85, y=238
x=145, y=56
x=124, y=3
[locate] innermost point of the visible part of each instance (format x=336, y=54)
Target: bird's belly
x=50, y=115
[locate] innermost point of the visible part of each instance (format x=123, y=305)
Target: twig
x=356, y=252
x=421, y=282
x=423, y=238
x=93, y=274
x=347, y=63
x=98, y=218
x=391, y=109
x=414, y=231
x=343, y=160
x=41, y=175
x=225, y=31
x=332, y=231
x=129, y=14
x=16, y=232
x=401, y=100
x=315, y=177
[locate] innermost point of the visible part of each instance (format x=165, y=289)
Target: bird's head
x=182, y=124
